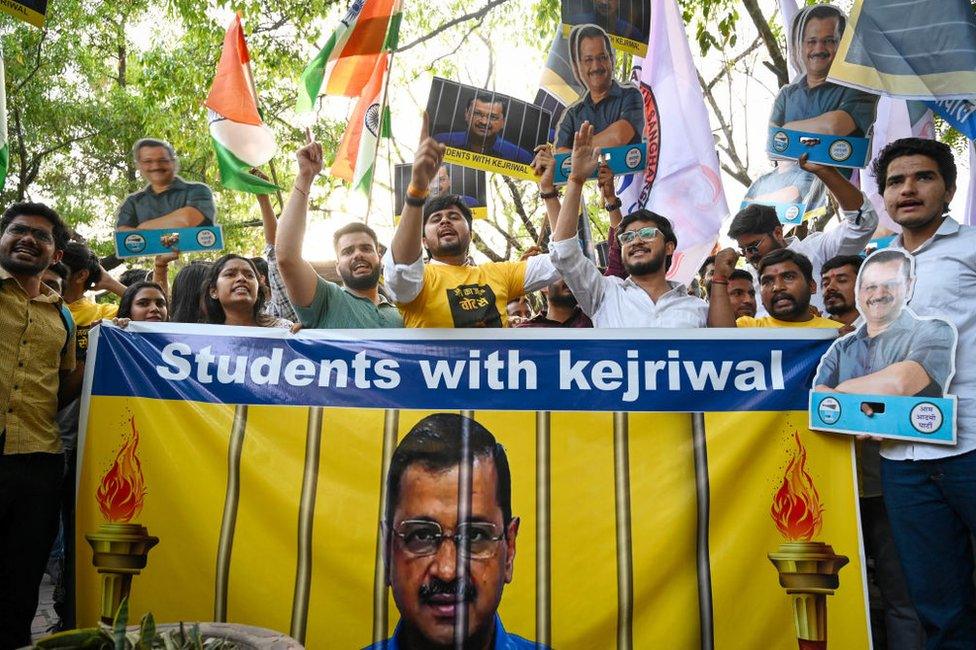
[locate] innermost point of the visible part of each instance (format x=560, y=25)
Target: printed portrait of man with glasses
x=442, y=554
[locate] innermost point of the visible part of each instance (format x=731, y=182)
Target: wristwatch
x=610, y=207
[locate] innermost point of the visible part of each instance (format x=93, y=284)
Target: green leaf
x=118, y=625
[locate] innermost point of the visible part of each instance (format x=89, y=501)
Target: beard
x=647, y=267
x=567, y=300
x=19, y=267
x=360, y=282
x=839, y=307
x=459, y=247
x=798, y=306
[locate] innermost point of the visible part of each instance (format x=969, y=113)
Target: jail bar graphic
x=543, y=551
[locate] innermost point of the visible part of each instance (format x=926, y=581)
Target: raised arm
x=584, y=162
x=848, y=196
x=720, y=312
x=298, y=275
x=544, y=166
x=406, y=246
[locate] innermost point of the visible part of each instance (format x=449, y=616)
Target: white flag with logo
x=682, y=180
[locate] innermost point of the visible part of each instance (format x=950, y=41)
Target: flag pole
x=271, y=165
x=396, y=11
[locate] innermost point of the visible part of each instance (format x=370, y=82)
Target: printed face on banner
x=486, y=130
x=797, y=195
x=467, y=183
x=626, y=21
x=428, y=542
x=614, y=110
x=892, y=352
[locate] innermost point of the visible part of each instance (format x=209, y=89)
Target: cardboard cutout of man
x=167, y=201
x=424, y=538
x=893, y=352
x=615, y=111
x=485, y=117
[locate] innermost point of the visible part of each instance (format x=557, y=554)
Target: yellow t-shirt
x=465, y=296
x=769, y=321
x=85, y=312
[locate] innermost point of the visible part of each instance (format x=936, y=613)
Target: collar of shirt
x=949, y=226
x=433, y=261
x=177, y=184
x=383, y=300
x=47, y=293
x=615, y=91
x=905, y=321
x=501, y=637
x=675, y=288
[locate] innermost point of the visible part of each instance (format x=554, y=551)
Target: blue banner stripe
x=714, y=370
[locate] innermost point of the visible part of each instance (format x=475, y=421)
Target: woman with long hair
x=143, y=301
x=232, y=295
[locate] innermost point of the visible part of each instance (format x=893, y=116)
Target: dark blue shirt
x=503, y=640
x=501, y=148
x=623, y=103
x=620, y=26
x=145, y=204
x=928, y=342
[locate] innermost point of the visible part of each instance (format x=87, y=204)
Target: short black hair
x=754, y=218
x=434, y=443
x=781, y=255
x=130, y=276
x=740, y=274
x=61, y=270
x=142, y=143
x=125, y=305
x=937, y=151
x=261, y=265
x=489, y=98
x=186, y=296
x=59, y=231
x=444, y=202
x=842, y=260
x=708, y=260
x=78, y=257
x=890, y=255
x=356, y=226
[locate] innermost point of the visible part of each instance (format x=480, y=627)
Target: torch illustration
x=807, y=569
x=120, y=548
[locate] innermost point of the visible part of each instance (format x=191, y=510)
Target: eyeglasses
x=646, y=233
x=20, y=230
x=752, y=249
x=474, y=540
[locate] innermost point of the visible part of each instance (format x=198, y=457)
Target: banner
x=913, y=50
x=630, y=519
x=30, y=11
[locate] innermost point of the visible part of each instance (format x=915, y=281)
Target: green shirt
x=335, y=308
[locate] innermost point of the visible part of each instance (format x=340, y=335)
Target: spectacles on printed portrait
x=474, y=540
x=647, y=233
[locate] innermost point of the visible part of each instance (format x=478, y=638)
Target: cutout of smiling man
x=615, y=112
x=429, y=537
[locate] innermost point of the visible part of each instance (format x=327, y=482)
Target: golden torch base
x=808, y=571
x=119, y=552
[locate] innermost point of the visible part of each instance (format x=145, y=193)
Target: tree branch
x=772, y=46
x=486, y=250
x=37, y=65
x=520, y=208
x=742, y=173
x=730, y=64
x=463, y=18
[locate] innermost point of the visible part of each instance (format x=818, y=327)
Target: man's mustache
x=883, y=300
x=438, y=587
x=782, y=296
x=833, y=294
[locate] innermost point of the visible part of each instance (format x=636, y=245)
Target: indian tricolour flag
x=347, y=62
x=356, y=157
x=4, y=145
x=240, y=137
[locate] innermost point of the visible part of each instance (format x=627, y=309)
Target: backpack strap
x=69, y=326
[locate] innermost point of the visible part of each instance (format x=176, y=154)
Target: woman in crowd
x=187, y=296
x=143, y=301
x=232, y=295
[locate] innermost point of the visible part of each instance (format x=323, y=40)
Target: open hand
x=585, y=156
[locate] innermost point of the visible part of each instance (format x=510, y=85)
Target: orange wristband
x=415, y=192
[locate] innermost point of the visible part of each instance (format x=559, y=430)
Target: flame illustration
x=796, y=508
x=120, y=494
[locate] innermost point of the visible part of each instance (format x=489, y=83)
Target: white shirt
x=405, y=281
x=612, y=302
x=945, y=286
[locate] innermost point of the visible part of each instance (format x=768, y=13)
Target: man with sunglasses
x=757, y=229
x=441, y=554
x=646, y=298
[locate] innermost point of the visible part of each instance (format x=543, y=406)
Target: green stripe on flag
x=235, y=174
x=393, y=33
x=314, y=73
x=4, y=164
x=386, y=125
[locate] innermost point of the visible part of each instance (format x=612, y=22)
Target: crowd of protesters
x=918, y=534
